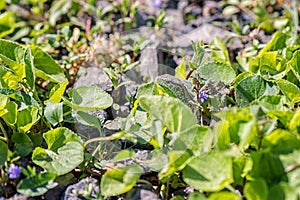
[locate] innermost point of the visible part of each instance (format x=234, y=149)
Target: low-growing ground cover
x=166, y=117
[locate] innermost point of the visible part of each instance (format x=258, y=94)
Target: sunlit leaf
x=120, y=180
x=217, y=72
x=180, y=71
x=256, y=190
x=89, y=98
x=7, y=23
x=290, y=90
x=173, y=114
x=54, y=112
x=46, y=67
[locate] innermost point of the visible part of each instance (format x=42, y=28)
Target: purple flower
x=157, y=3
x=14, y=171
x=202, y=96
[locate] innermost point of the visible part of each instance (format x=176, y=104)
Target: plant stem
x=111, y=137
x=67, y=113
x=5, y=138
x=189, y=74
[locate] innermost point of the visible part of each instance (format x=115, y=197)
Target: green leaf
x=146, y=89
x=219, y=51
x=210, y=172
x=267, y=165
x=290, y=90
x=173, y=114
x=242, y=165
x=295, y=122
x=252, y=88
x=221, y=129
x=282, y=191
x=8, y=79
x=276, y=43
x=270, y=67
x=54, y=112
x=12, y=51
x=12, y=54
x=247, y=132
x=281, y=141
x=46, y=67
x=64, y=153
x=295, y=64
x=124, y=154
x=180, y=71
x=26, y=118
x=217, y=71
x=3, y=153
x=22, y=97
x=120, y=180
x=196, y=196
x=23, y=144
x=241, y=126
x=36, y=185
x=224, y=196
x=87, y=119
x=2, y=4
x=256, y=190
x=270, y=103
x=29, y=68
x=192, y=140
x=173, y=87
x=176, y=161
x=11, y=116
x=89, y=98
x=57, y=91
x=112, y=76
x=7, y=23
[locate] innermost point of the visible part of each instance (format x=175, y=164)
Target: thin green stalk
x=4, y=132
x=67, y=113
x=111, y=137
x=3, y=139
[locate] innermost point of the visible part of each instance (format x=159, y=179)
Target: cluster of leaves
x=67, y=29
x=35, y=126
x=249, y=150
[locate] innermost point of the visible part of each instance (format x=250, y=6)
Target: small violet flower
x=14, y=171
x=156, y=3
x=202, y=96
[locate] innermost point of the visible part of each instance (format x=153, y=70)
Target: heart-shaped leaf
x=89, y=98
x=64, y=153
x=173, y=114
x=54, y=113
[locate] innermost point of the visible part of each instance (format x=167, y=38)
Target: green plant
x=26, y=117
